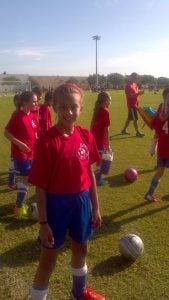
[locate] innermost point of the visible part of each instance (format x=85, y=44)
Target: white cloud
x=145, y=61
x=34, y=53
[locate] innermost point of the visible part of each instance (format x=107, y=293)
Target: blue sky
x=54, y=37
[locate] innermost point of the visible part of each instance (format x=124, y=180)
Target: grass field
x=123, y=209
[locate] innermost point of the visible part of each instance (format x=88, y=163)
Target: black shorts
x=132, y=114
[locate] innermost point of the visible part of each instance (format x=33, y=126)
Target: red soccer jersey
x=162, y=131
x=23, y=127
x=61, y=164
x=45, y=118
x=98, y=129
x=131, y=91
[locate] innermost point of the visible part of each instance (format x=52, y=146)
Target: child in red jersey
x=100, y=129
x=38, y=92
x=45, y=117
x=21, y=131
x=11, y=171
x=161, y=127
x=66, y=193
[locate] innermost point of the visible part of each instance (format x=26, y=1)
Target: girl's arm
x=107, y=138
x=95, y=201
x=22, y=146
x=46, y=234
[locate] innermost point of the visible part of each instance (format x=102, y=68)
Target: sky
x=52, y=37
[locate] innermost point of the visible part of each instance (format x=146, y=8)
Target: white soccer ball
x=131, y=246
x=33, y=212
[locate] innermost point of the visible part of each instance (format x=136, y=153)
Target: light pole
x=96, y=38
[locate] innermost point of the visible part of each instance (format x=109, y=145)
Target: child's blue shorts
x=70, y=213
x=22, y=167
x=162, y=162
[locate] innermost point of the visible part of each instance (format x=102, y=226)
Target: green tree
x=72, y=79
x=116, y=79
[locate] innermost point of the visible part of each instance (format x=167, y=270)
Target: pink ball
x=131, y=174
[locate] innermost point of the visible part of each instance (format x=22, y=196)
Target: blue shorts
x=22, y=167
x=70, y=213
x=162, y=162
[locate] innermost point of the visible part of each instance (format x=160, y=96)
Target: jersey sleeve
x=12, y=124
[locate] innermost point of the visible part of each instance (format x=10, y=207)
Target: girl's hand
x=96, y=221
x=23, y=147
x=46, y=236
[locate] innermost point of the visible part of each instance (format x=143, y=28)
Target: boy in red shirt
x=45, y=117
x=66, y=193
x=161, y=127
x=21, y=131
x=132, y=95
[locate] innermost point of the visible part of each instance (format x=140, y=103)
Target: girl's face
x=32, y=105
x=108, y=102
x=68, y=109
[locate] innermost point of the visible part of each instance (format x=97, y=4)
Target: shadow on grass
x=109, y=225
x=25, y=253
x=165, y=197
x=21, y=255
x=3, y=173
x=3, y=181
x=119, y=180
x=119, y=136
x=6, y=217
x=118, y=264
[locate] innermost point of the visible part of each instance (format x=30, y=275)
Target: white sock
x=38, y=294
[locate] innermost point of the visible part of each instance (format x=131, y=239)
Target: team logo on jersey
x=83, y=152
x=33, y=124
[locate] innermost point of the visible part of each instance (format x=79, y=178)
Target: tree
x=72, y=80
x=147, y=80
x=162, y=82
x=116, y=79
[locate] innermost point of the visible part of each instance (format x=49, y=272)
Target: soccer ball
x=130, y=174
x=131, y=246
x=33, y=212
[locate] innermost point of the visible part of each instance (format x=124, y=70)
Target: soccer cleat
x=89, y=295
x=21, y=213
x=102, y=182
x=125, y=132
x=139, y=134
x=12, y=186
x=150, y=198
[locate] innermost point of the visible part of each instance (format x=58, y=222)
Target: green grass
x=123, y=209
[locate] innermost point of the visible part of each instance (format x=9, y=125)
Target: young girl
x=45, y=115
x=11, y=171
x=100, y=129
x=21, y=131
x=66, y=192
x=161, y=126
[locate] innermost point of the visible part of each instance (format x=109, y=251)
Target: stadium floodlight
x=96, y=38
